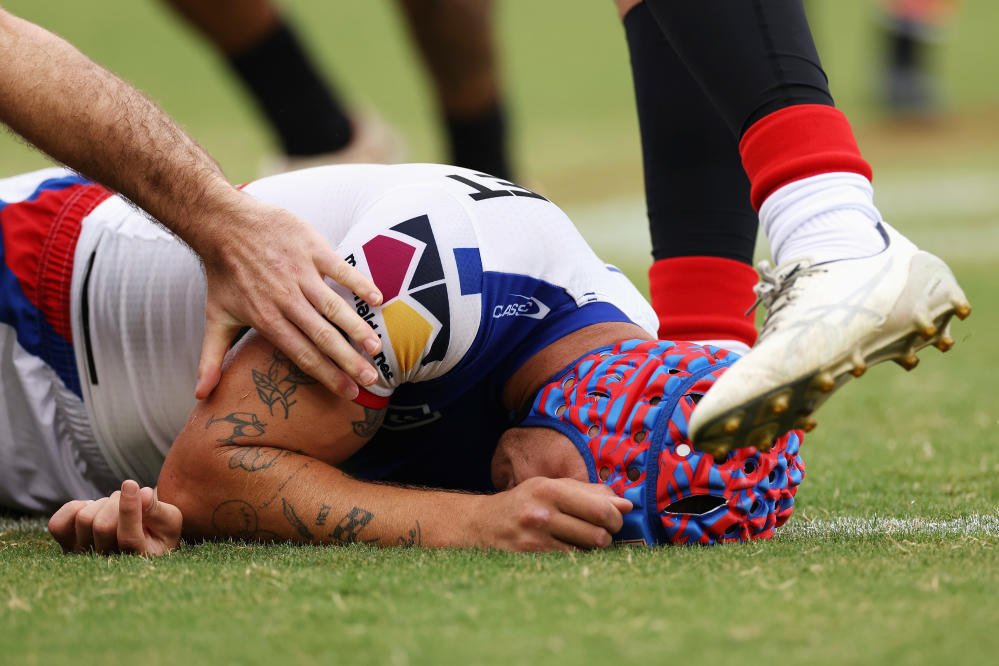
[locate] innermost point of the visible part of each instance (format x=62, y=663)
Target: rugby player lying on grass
x=494, y=308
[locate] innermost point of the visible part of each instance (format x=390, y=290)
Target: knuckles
x=332, y=307
x=540, y=487
x=612, y=519
x=105, y=526
x=601, y=539
x=534, y=517
x=325, y=338
x=306, y=360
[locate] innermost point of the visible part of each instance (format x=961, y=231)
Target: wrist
x=473, y=527
x=207, y=222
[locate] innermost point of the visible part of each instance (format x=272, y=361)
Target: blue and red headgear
x=626, y=409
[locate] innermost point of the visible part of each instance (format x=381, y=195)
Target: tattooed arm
x=257, y=461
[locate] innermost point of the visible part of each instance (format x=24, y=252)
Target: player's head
x=625, y=408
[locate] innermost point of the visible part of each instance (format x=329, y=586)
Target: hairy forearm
x=86, y=117
x=271, y=494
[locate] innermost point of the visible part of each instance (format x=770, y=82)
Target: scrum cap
x=626, y=408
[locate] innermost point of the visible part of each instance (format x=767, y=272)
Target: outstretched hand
x=269, y=276
x=131, y=520
x=553, y=514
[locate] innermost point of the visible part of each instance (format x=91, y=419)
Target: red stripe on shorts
x=40, y=239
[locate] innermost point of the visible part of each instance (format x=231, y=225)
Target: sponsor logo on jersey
x=522, y=306
x=415, y=311
x=364, y=311
x=404, y=417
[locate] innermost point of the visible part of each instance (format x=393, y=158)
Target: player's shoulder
x=28, y=186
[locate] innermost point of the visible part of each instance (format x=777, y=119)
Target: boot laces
x=777, y=289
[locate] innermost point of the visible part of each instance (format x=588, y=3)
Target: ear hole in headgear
x=696, y=504
x=695, y=397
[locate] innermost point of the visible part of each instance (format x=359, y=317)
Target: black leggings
x=704, y=71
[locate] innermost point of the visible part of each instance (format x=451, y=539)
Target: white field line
x=922, y=206
x=10, y=526
x=850, y=526
x=796, y=529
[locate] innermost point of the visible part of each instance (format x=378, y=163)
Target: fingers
x=343, y=273
x=579, y=533
x=130, y=535
x=592, y=503
x=555, y=514
x=131, y=520
x=62, y=524
x=622, y=505
x=163, y=521
x=284, y=296
x=105, y=525
x=339, y=312
x=329, y=343
x=218, y=335
x=84, y=525
x=315, y=362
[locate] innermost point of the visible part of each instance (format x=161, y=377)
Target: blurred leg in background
x=303, y=108
x=312, y=122
x=911, y=30
x=458, y=47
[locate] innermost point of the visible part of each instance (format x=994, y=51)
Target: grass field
x=892, y=556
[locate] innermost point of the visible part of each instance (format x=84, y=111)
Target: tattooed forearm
x=244, y=424
x=238, y=519
x=291, y=476
x=372, y=422
x=350, y=526
x=255, y=458
x=235, y=518
x=278, y=384
x=413, y=539
x=296, y=522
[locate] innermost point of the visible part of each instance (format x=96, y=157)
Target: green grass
x=867, y=599
x=892, y=556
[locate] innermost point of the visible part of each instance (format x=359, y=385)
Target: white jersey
x=477, y=275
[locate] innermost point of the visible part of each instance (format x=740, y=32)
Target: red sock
x=797, y=142
x=703, y=298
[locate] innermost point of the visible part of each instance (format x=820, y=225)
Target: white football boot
x=825, y=323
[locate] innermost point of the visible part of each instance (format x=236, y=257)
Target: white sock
x=825, y=217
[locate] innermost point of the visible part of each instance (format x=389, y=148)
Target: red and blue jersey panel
x=38, y=235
